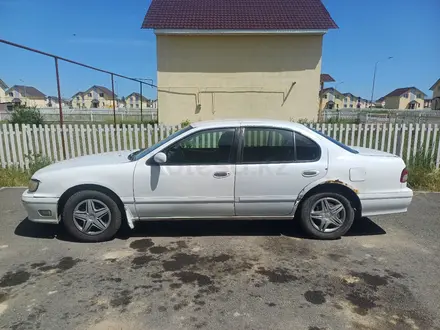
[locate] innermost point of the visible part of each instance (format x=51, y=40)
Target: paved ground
x=222, y=275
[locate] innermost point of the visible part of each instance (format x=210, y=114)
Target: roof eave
x=237, y=32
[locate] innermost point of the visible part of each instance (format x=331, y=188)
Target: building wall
x=133, y=102
x=85, y=101
x=30, y=102
x=2, y=95
x=205, y=77
x=392, y=102
x=337, y=99
x=411, y=96
x=436, y=91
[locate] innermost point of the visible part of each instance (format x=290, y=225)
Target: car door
x=197, y=179
x=273, y=166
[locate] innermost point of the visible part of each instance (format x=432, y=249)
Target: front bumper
x=40, y=209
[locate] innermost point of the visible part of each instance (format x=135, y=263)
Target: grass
x=13, y=176
x=422, y=172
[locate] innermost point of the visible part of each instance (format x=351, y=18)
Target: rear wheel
x=91, y=216
x=327, y=215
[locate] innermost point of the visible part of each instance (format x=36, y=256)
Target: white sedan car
x=229, y=169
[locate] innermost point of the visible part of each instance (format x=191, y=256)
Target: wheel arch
x=69, y=192
x=335, y=187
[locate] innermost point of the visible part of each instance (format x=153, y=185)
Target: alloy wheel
x=91, y=216
x=328, y=214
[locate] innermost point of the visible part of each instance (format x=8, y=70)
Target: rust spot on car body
x=337, y=181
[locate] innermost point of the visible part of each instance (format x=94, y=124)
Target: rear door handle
x=310, y=173
x=221, y=175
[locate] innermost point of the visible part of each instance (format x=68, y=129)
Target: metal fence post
x=114, y=105
x=60, y=107
x=141, y=102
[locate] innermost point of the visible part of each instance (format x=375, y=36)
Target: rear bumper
x=42, y=210
x=386, y=203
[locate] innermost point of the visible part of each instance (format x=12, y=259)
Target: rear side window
x=271, y=145
x=340, y=144
x=306, y=149
x=267, y=145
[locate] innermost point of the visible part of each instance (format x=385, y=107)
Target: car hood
x=372, y=152
x=108, y=158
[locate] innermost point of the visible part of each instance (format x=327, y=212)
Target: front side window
x=90, y=94
x=405, y=96
x=203, y=148
x=101, y=94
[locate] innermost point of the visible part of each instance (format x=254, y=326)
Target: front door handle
x=310, y=173
x=221, y=175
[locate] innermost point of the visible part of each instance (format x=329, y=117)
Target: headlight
x=33, y=185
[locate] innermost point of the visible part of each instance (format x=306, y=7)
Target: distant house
x=25, y=95
x=350, y=101
x=223, y=59
x=380, y=103
x=427, y=103
x=405, y=98
x=3, y=89
x=435, y=103
x=324, y=78
x=364, y=103
x=133, y=101
x=332, y=98
x=96, y=97
x=52, y=102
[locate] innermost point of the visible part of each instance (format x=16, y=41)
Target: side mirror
x=160, y=158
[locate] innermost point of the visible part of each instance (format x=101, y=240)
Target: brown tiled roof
x=27, y=91
x=238, y=14
x=3, y=85
x=325, y=77
x=330, y=89
x=144, y=99
x=435, y=84
x=348, y=94
x=401, y=91
x=103, y=89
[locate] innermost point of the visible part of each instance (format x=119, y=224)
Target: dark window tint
x=267, y=145
x=205, y=147
x=340, y=144
x=306, y=149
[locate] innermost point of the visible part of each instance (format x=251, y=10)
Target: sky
x=107, y=34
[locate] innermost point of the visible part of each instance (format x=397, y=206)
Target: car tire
x=311, y=224
x=109, y=226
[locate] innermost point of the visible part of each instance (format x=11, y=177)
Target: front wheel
x=91, y=216
x=327, y=215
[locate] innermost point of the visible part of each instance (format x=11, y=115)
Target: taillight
x=404, y=176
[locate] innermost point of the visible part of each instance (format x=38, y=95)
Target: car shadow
x=197, y=228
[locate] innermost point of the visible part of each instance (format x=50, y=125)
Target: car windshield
x=142, y=152
x=340, y=144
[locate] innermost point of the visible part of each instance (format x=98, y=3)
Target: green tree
x=26, y=115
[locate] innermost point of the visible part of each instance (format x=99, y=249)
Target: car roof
x=243, y=122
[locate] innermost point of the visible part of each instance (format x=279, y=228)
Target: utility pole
x=374, y=80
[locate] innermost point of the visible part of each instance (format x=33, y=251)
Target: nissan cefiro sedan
x=228, y=169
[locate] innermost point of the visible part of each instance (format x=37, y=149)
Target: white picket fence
x=19, y=145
